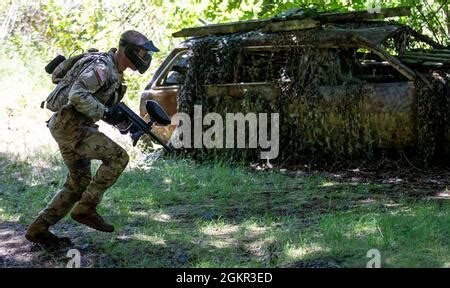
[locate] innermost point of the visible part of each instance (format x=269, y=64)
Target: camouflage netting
x=433, y=118
x=312, y=129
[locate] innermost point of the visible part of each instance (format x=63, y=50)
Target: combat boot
x=38, y=233
x=86, y=213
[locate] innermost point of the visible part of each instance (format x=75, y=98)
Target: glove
x=113, y=115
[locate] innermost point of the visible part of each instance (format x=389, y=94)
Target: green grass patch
x=183, y=214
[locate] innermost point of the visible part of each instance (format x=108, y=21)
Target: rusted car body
x=386, y=76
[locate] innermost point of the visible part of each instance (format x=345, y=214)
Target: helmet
x=138, y=49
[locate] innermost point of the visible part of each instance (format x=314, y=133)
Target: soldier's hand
x=113, y=115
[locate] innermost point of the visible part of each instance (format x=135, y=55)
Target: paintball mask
x=139, y=55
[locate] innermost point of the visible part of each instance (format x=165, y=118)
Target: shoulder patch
x=94, y=78
x=101, y=74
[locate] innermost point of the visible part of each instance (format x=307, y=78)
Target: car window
x=368, y=67
x=177, y=72
x=258, y=66
x=269, y=64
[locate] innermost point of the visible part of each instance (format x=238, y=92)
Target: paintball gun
x=137, y=126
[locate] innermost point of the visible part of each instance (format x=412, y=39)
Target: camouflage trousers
x=78, y=146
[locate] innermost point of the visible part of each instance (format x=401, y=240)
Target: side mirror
x=157, y=113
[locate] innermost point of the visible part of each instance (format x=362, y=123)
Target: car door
x=165, y=86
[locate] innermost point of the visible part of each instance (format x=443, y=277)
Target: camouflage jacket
x=98, y=85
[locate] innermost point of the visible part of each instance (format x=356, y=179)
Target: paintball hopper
x=157, y=113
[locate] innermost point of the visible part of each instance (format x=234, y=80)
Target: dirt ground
x=17, y=252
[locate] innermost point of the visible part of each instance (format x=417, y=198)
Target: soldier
x=92, y=96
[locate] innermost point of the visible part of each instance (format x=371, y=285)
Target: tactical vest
x=64, y=77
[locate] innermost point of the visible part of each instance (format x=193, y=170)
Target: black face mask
x=142, y=63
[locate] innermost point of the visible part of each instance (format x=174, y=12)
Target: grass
x=182, y=214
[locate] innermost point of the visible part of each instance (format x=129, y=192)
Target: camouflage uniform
x=80, y=141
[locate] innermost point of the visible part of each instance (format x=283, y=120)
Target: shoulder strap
x=91, y=57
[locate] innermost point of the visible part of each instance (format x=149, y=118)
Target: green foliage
x=427, y=16
x=50, y=26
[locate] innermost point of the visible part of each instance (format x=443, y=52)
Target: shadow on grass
x=181, y=214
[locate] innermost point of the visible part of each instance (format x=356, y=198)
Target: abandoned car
x=346, y=85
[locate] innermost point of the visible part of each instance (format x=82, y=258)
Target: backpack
x=64, y=75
